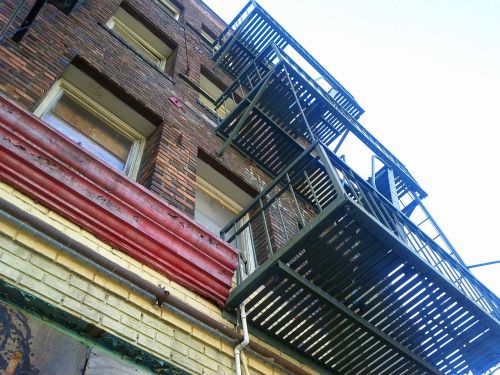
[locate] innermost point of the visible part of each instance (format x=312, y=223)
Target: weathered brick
x=8, y=272
x=102, y=307
x=40, y=288
x=17, y=250
x=75, y=266
x=80, y=309
x=119, y=328
x=176, y=321
x=49, y=267
x=188, y=340
x=156, y=323
x=219, y=356
x=112, y=285
x=205, y=337
x=203, y=360
x=138, y=326
x=154, y=346
x=20, y=264
x=124, y=306
x=183, y=361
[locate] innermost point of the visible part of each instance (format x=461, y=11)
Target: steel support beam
x=441, y=233
x=318, y=292
x=245, y=115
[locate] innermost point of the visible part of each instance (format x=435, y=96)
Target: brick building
x=166, y=178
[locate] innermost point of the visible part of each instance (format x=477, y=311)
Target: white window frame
x=207, y=38
x=176, y=12
x=245, y=237
x=162, y=60
x=207, y=100
x=63, y=87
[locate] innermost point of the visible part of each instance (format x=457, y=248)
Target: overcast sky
x=427, y=73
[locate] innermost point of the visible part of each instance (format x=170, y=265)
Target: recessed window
x=211, y=91
x=209, y=36
x=172, y=8
x=90, y=115
x=142, y=39
x=218, y=201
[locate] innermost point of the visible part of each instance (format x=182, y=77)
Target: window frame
x=162, y=59
x=246, y=248
x=63, y=87
x=223, y=111
x=209, y=37
x=172, y=8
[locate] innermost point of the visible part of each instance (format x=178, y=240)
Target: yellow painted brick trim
x=79, y=289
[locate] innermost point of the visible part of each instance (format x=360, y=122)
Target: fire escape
x=352, y=273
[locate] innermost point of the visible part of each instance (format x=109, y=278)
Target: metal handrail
x=376, y=146
x=363, y=194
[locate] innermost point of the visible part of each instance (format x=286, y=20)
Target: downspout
x=244, y=343
x=52, y=236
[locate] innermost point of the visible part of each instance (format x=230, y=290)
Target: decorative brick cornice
x=62, y=176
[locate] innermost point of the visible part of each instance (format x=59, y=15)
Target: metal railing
x=256, y=73
x=255, y=30
x=316, y=179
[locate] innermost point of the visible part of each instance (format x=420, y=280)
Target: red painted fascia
x=58, y=173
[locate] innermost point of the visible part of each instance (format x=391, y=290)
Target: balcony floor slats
x=348, y=259
x=277, y=115
x=255, y=33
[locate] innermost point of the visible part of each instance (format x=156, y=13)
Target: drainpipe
x=245, y=342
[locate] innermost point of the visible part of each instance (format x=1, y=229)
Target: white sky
x=427, y=73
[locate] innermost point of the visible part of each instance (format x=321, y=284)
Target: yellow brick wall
x=79, y=289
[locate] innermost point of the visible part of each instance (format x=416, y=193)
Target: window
x=218, y=201
x=142, y=39
x=211, y=91
x=172, y=8
x=90, y=115
x=209, y=36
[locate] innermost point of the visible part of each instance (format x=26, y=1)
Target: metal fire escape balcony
x=250, y=34
x=357, y=287
x=336, y=267
x=280, y=109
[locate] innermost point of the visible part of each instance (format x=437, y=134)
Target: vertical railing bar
x=312, y=190
x=292, y=87
x=252, y=241
x=266, y=229
x=292, y=191
x=380, y=214
x=330, y=169
x=278, y=203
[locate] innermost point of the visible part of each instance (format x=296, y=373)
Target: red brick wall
x=28, y=69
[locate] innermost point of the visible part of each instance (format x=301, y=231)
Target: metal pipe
x=52, y=236
x=484, y=264
x=23, y=29
x=244, y=343
x=373, y=169
x=341, y=141
x=11, y=19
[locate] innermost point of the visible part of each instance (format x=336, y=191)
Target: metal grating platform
x=350, y=295
x=251, y=33
x=268, y=119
